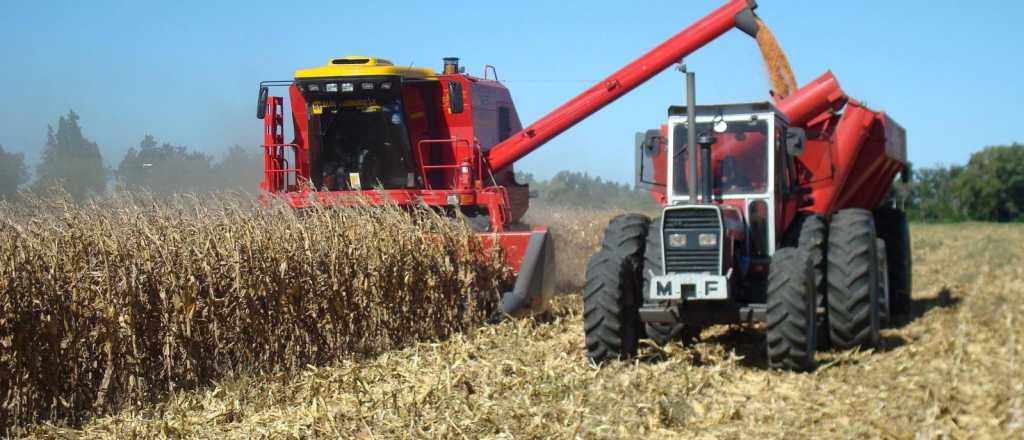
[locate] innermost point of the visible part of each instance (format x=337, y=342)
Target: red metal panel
x=619, y=83
x=821, y=96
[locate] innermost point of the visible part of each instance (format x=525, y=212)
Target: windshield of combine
x=739, y=157
x=363, y=144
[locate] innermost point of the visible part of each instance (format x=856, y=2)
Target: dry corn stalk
x=125, y=300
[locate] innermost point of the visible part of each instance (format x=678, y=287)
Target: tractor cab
x=752, y=168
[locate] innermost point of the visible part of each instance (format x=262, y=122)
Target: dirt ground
x=953, y=371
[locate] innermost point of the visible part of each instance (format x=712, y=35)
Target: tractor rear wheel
x=611, y=297
x=853, y=312
x=792, y=312
x=893, y=228
x=661, y=332
x=810, y=233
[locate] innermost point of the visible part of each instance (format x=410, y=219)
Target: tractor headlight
x=385, y=86
x=677, y=240
x=708, y=240
x=331, y=87
x=313, y=87
x=367, y=86
x=348, y=87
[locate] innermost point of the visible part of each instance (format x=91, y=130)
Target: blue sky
x=187, y=72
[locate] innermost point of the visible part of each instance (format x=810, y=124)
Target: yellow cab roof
x=359, y=66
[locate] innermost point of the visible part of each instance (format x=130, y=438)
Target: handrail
x=455, y=143
x=277, y=169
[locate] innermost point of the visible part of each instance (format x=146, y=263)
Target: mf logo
x=663, y=289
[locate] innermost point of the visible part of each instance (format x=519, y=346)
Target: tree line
x=989, y=188
x=74, y=163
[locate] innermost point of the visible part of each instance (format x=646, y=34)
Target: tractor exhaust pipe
x=691, y=134
x=705, y=141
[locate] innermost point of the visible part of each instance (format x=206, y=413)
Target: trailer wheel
x=792, y=314
x=810, y=233
x=661, y=332
x=611, y=297
x=883, y=283
x=893, y=228
x=853, y=280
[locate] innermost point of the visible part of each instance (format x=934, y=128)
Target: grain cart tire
x=893, y=228
x=611, y=296
x=853, y=280
x=792, y=312
x=810, y=233
x=661, y=332
x=883, y=283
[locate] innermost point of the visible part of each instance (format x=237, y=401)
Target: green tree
x=71, y=161
x=13, y=173
x=991, y=187
x=166, y=169
x=241, y=169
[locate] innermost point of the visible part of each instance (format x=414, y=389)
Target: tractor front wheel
x=611, y=297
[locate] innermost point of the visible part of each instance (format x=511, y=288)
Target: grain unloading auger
x=366, y=130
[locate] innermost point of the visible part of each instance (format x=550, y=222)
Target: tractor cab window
x=363, y=143
x=739, y=157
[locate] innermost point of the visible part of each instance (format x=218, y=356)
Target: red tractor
x=773, y=212
x=367, y=131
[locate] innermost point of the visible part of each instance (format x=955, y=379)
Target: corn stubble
x=954, y=370
x=125, y=301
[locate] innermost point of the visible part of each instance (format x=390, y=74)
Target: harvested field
x=125, y=301
x=954, y=370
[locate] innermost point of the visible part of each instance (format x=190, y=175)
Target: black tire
x=661, y=333
x=810, y=233
x=893, y=228
x=611, y=297
x=883, y=283
x=626, y=235
x=853, y=280
x=792, y=316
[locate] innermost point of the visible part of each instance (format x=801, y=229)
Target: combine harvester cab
x=775, y=214
x=367, y=131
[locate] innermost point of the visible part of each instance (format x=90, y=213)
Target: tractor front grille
x=693, y=258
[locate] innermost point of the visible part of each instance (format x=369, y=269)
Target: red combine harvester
x=366, y=130
x=780, y=218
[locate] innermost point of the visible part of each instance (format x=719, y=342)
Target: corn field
x=127, y=300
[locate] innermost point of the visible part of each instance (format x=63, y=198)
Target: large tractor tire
x=893, y=228
x=810, y=233
x=883, y=283
x=661, y=332
x=853, y=312
x=611, y=297
x=792, y=315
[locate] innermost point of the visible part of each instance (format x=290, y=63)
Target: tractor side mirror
x=261, y=103
x=796, y=138
x=652, y=145
x=455, y=96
